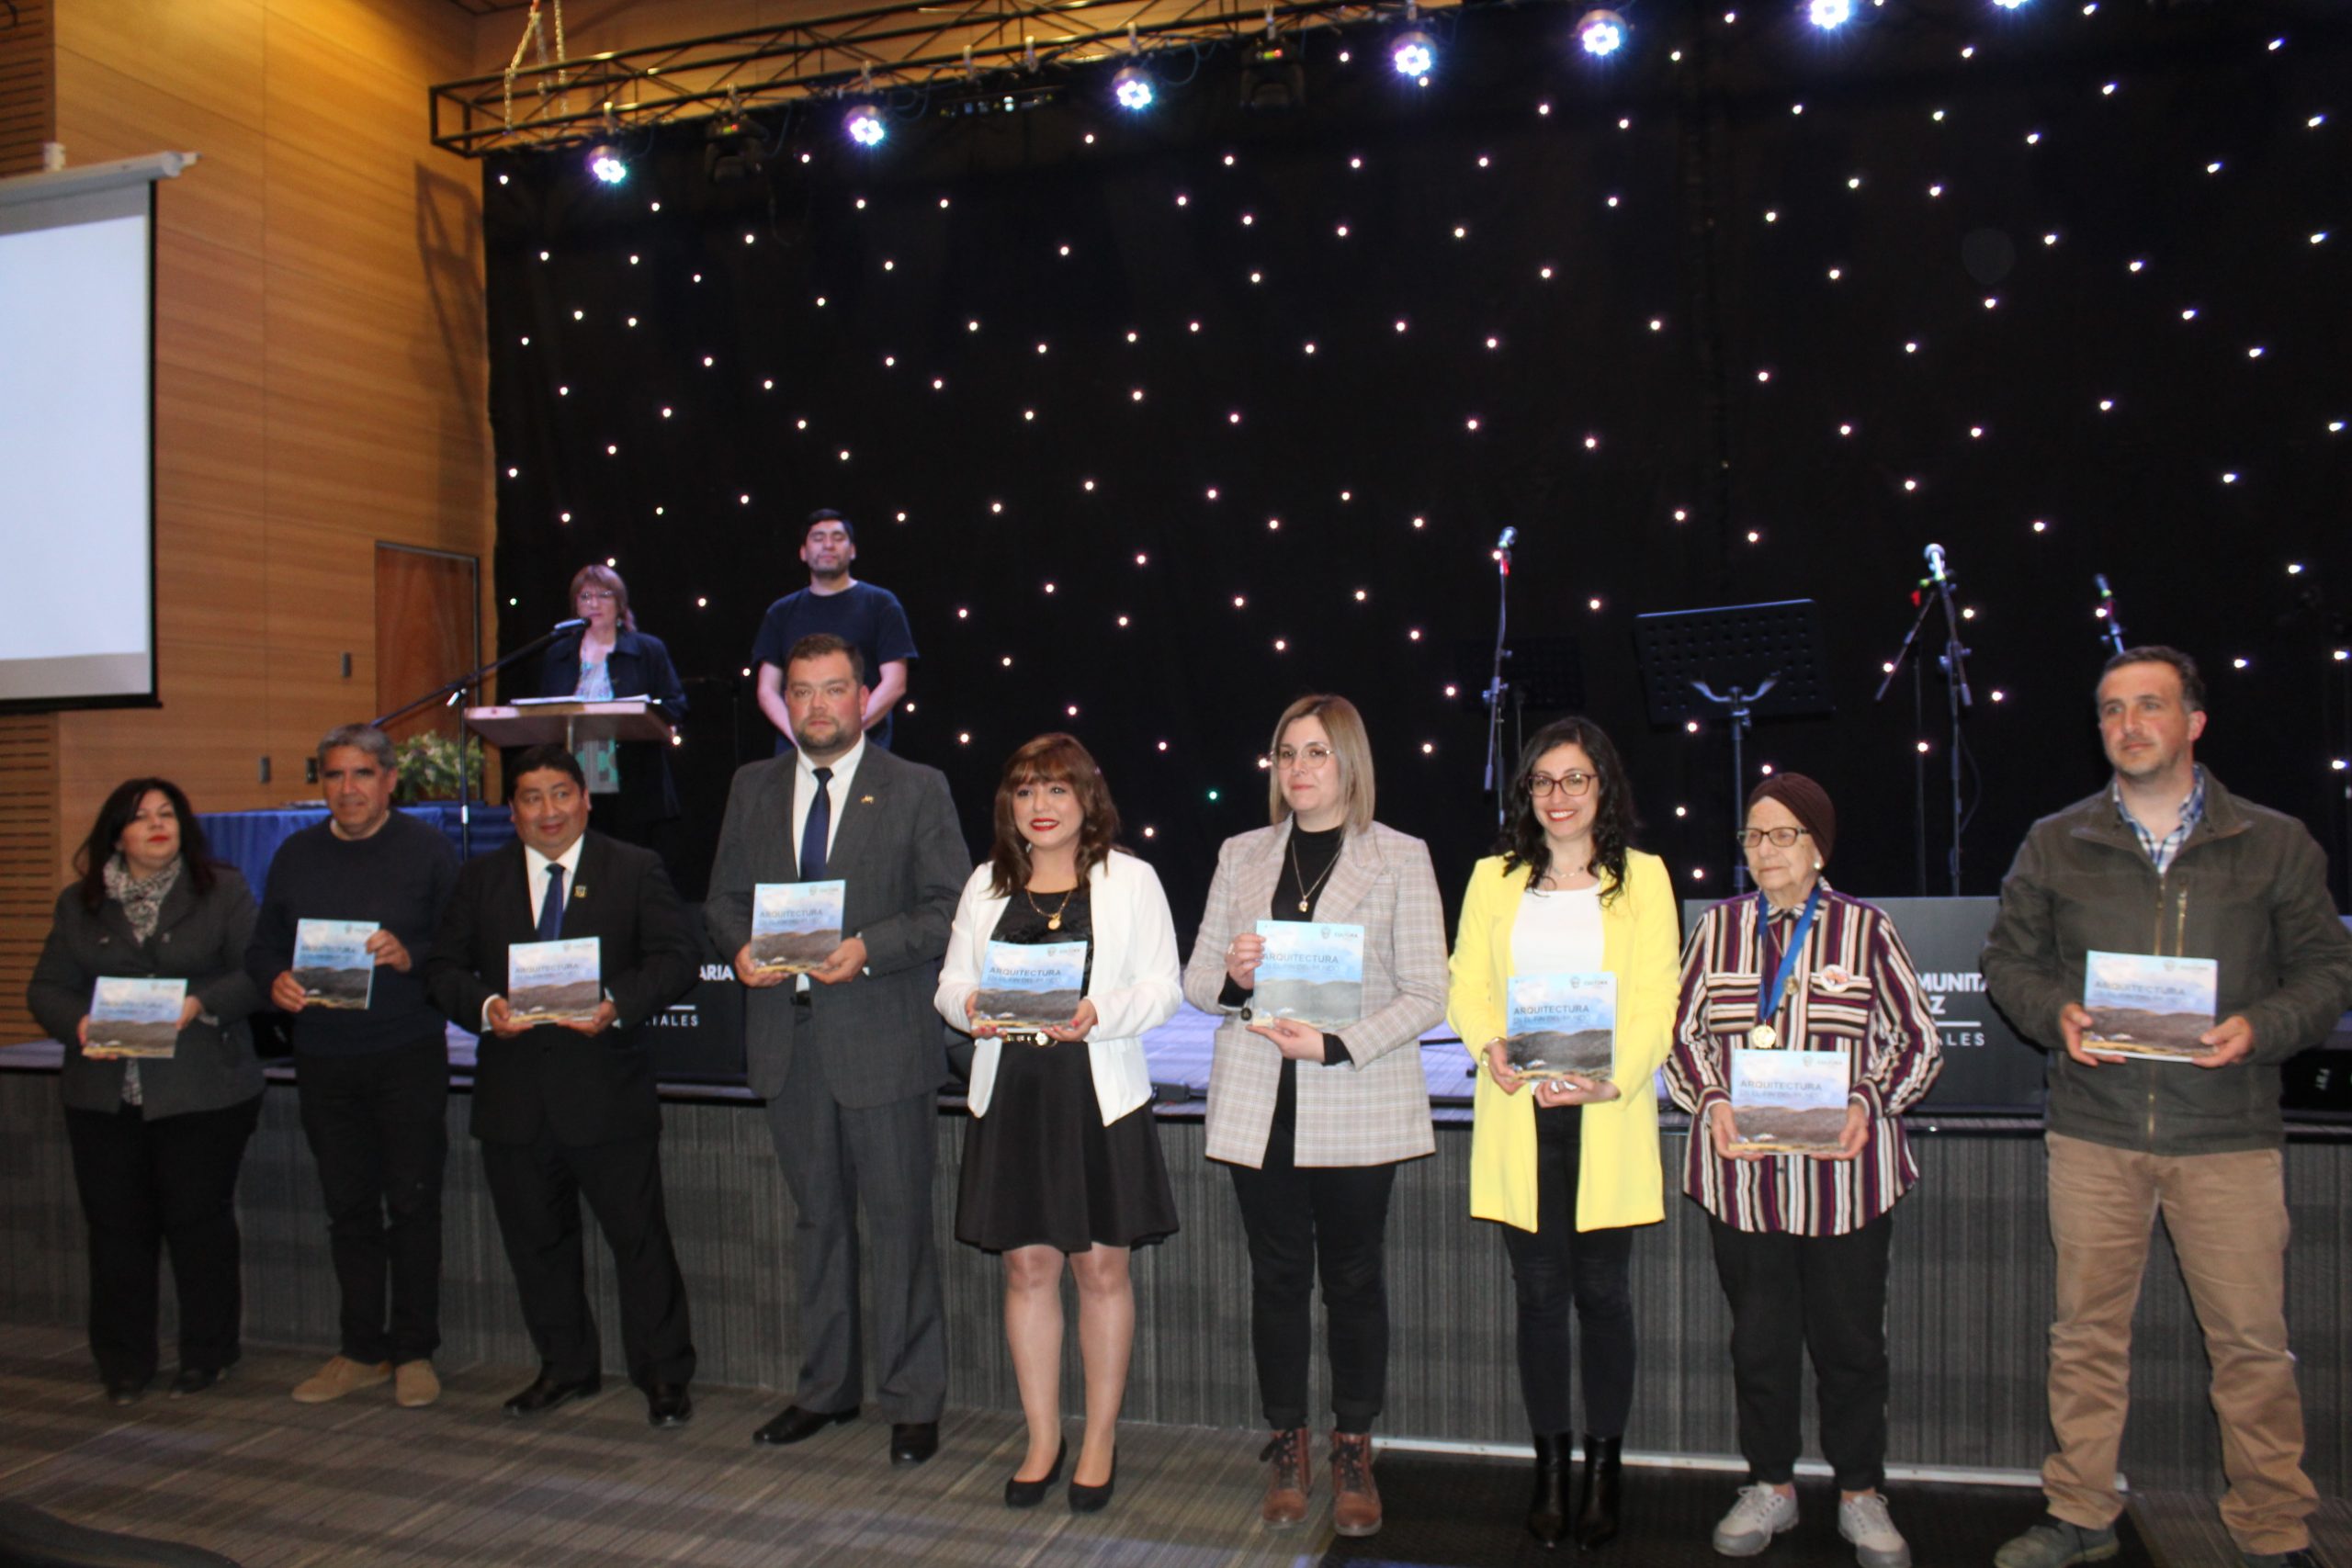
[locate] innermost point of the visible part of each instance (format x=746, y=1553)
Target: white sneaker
x=1864, y=1521
x=1762, y=1513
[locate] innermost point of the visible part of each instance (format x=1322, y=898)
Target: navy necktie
x=551, y=907
x=817, y=829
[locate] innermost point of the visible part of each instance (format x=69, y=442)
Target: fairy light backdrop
x=1155, y=419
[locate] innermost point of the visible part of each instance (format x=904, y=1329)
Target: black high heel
x=1093, y=1499
x=1020, y=1494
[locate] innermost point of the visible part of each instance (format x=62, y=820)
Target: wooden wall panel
x=322, y=373
x=27, y=85
x=29, y=858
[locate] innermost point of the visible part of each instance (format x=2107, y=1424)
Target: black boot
x=1547, y=1511
x=1597, y=1490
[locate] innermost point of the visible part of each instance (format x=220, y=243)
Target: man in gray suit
x=848, y=1055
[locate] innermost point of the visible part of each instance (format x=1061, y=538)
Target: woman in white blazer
x=1314, y=1123
x=1062, y=1158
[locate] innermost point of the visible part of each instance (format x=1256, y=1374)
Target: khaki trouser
x=2227, y=1216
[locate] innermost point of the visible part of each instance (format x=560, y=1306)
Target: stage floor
x=245, y=1471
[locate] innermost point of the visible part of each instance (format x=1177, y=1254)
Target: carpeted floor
x=245, y=1471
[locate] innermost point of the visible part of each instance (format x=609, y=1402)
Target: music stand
x=1744, y=662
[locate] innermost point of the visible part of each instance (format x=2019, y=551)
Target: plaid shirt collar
x=2161, y=850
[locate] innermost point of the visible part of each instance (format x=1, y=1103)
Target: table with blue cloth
x=249, y=839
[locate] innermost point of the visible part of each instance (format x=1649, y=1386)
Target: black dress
x=1041, y=1169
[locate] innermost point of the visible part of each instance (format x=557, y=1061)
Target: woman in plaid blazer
x=1313, y=1123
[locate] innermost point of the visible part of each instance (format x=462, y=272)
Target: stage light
x=1132, y=87
x=1601, y=33
x=1414, y=53
x=2009, y=4
x=864, y=125
x=605, y=162
x=1828, y=14
x=734, y=148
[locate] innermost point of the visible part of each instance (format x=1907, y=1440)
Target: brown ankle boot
x=1355, y=1497
x=1286, y=1483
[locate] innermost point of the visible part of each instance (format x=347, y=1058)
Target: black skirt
x=1041, y=1169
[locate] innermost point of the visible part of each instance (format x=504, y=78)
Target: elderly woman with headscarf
x=1800, y=1239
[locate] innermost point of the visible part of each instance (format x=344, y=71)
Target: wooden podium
x=568, y=724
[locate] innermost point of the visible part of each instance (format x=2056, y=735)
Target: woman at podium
x=609, y=658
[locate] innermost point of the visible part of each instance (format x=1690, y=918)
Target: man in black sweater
x=373, y=1073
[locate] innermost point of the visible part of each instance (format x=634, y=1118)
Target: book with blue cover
x=332, y=964
x=795, y=926
x=1031, y=984
x=2147, y=1005
x=1311, y=971
x=1562, y=1024
x=136, y=1017
x=1788, y=1102
x=555, y=982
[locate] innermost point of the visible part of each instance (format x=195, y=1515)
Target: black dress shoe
x=796, y=1425
x=128, y=1391
x=911, y=1442
x=668, y=1405
x=548, y=1390
x=1020, y=1494
x=195, y=1379
x=1093, y=1499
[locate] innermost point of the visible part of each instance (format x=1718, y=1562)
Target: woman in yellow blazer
x=1567, y=1163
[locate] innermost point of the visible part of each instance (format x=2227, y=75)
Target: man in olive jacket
x=2166, y=861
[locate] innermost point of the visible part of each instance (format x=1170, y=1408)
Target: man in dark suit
x=848, y=1056
x=564, y=1112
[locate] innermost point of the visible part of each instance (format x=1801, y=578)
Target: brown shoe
x=414, y=1386
x=1286, y=1484
x=1355, y=1497
x=340, y=1376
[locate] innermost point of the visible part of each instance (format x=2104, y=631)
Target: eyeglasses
x=1782, y=837
x=588, y=595
x=1541, y=785
x=1311, y=758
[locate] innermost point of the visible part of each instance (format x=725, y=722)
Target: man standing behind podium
x=564, y=1112
x=374, y=1081
x=848, y=1056
x=835, y=604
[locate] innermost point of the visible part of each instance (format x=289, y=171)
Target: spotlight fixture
x=2009, y=4
x=605, y=161
x=1829, y=15
x=1413, y=52
x=1131, y=84
x=735, y=147
x=1603, y=33
x=1272, y=75
x=864, y=126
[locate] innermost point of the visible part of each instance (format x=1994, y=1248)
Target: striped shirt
x=2161, y=850
x=1853, y=990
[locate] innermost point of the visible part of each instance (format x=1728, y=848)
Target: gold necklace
x=1306, y=894
x=1054, y=920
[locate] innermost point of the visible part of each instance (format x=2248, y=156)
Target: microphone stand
x=1919, y=755
x=2109, y=613
x=1496, y=684
x=1956, y=691
x=450, y=692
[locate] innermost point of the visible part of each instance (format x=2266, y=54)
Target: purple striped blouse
x=1853, y=990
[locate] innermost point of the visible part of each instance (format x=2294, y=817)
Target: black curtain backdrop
x=1156, y=422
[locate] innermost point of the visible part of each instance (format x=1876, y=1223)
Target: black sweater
x=398, y=877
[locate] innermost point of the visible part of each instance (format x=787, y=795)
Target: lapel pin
x=865, y=800
x=580, y=890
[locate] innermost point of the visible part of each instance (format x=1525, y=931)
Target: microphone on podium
x=571, y=625
x=1936, y=564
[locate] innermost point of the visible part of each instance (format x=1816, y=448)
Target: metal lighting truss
x=930, y=47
